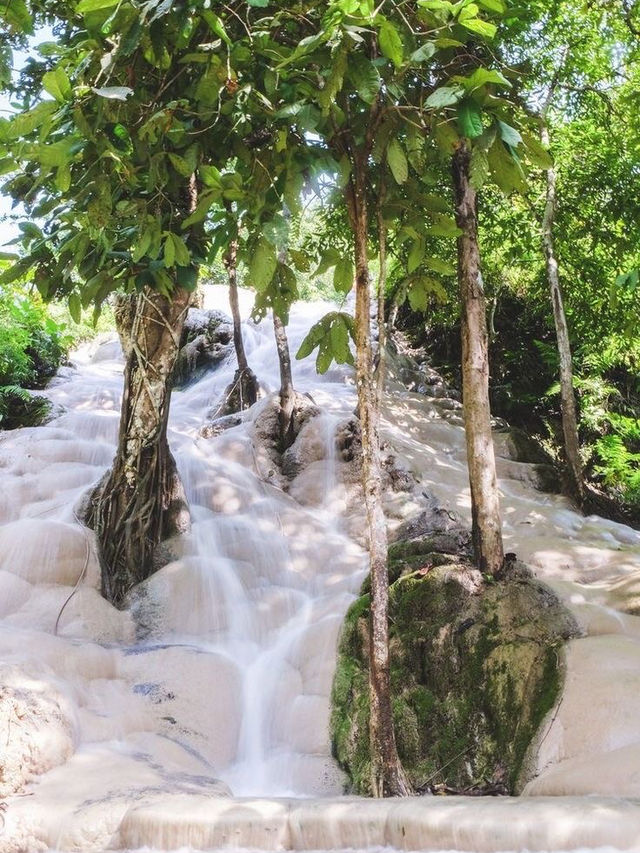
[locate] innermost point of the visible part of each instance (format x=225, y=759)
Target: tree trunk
x=382, y=284
x=567, y=396
x=244, y=387
x=287, y=393
x=485, y=502
x=387, y=775
x=140, y=502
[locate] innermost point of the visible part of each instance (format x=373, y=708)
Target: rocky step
x=419, y=823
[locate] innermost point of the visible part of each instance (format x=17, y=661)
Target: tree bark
x=287, y=392
x=244, y=387
x=141, y=501
x=567, y=396
x=382, y=284
x=485, y=502
x=387, y=775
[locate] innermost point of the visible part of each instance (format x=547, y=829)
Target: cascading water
x=222, y=669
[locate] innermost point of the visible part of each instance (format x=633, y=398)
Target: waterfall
x=143, y=723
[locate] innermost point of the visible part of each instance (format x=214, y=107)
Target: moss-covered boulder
x=475, y=668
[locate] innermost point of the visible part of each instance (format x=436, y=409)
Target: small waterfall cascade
x=199, y=717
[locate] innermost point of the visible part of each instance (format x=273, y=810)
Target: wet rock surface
x=206, y=342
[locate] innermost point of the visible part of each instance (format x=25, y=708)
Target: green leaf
x=415, y=255
x=85, y=6
x=439, y=265
x=335, y=80
x=479, y=167
x=169, y=251
x=16, y=15
x=445, y=96
x=365, y=78
x=443, y=226
x=509, y=134
x=210, y=176
x=483, y=28
x=536, y=152
x=470, y=119
x=423, y=54
x=180, y=165
x=57, y=84
x=301, y=260
x=343, y=275
x=329, y=259
x=216, y=25
x=506, y=172
x=481, y=77
x=390, y=43
x=263, y=265
x=397, y=162
x=493, y=6
x=75, y=307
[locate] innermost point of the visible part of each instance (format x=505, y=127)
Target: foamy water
x=143, y=725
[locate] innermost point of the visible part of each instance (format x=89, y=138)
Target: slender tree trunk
x=388, y=777
x=244, y=387
x=287, y=392
x=382, y=284
x=485, y=502
x=141, y=501
x=567, y=396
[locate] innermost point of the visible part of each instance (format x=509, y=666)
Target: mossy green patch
x=474, y=671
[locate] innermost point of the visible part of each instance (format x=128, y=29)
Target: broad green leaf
x=180, y=165
x=470, y=119
x=210, y=176
x=169, y=251
x=57, y=84
x=25, y=123
x=483, y=28
x=142, y=245
x=329, y=259
x=390, y=43
x=75, y=307
x=334, y=81
x=263, y=265
x=85, y=6
x=479, y=168
x=365, y=77
x=445, y=96
x=397, y=161
x=423, y=53
x=493, y=6
x=509, y=134
x=443, y=226
x=16, y=15
x=439, y=265
x=536, y=152
x=415, y=255
x=301, y=260
x=481, y=77
x=216, y=25
x=505, y=171
x=343, y=275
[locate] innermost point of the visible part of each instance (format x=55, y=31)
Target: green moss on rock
x=475, y=668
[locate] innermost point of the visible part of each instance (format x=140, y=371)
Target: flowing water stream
x=199, y=718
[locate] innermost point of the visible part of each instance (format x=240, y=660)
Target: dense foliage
x=32, y=345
